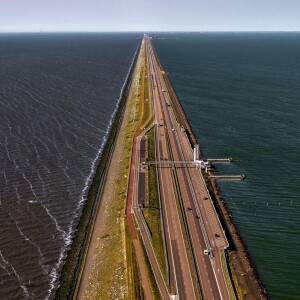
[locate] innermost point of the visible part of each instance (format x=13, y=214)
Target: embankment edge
x=231, y=228
x=73, y=264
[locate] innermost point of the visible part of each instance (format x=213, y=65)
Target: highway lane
x=207, y=288
x=216, y=235
x=213, y=229
x=133, y=209
x=179, y=266
x=201, y=232
x=180, y=275
x=202, y=261
x=169, y=251
x=142, y=226
x=210, y=234
x=166, y=226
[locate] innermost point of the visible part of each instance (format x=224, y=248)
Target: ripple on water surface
x=241, y=93
x=57, y=96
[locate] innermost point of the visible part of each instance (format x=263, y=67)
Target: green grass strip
x=152, y=213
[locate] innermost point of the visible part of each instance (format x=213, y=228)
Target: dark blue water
x=57, y=96
x=241, y=93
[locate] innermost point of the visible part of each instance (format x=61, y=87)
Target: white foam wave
x=27, y=239
x=58, y=228
x=65, y=236
x=41, y=180
x=88, y=180
x=5, y=145
x=23, y=287
x=44, y=144
x=18, y=195
x=4, y=175
x=31, y=187
x=32, y=201
x=8, y=266
x=5, y=263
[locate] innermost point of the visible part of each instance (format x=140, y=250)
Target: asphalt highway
x=204, y=226
x=181, y=282
x=191, y=228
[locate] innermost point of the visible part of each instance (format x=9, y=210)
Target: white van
x=206, y=251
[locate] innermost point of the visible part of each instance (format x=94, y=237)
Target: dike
x=75, y=257
x=257, y=288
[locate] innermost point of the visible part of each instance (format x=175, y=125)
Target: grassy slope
x=109, y=280
x=119, y=277
x=152, y=214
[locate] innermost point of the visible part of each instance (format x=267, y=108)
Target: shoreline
x=237, y=243
x=74, y=263
x=231, y=229
x=72, y=266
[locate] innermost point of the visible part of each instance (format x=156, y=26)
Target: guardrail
x=185, y=223
x=226, y=274
x=160, y=205
x=145, y=223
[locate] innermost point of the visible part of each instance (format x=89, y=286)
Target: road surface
x=188, y=232
x=205, y=230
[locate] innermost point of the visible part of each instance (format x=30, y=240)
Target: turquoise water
x=241, y=93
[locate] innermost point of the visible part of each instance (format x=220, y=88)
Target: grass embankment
x=145, y=120
x=140, y=93
x=146, y=111
x=80, y=239
x=117, y=275
x=240, y=292
x=112, y=238
x=184, y=225
x=227, y=276
x=153, y=212
x=135, y=289
x=154, y=287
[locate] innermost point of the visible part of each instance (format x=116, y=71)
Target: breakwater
x=57, y=95
x=75, y=258
x=253, y=283
x=240, y=92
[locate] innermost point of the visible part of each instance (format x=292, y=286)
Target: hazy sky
x=149, y=15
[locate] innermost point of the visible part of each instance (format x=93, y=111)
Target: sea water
x=58, y=93
x=241, y=93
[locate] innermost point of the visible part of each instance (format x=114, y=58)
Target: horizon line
x=154, y=31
